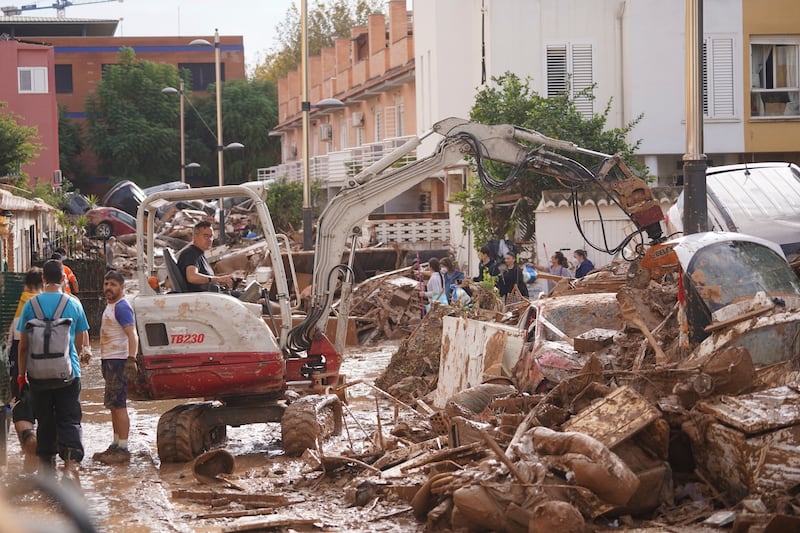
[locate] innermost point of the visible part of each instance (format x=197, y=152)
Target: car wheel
x=104, y=230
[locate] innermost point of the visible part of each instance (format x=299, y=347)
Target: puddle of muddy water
x=137, y=498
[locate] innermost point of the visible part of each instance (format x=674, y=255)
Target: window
x=63, y=79
x=202, y=74
x=32, y=80
x=718, y=100
x=775, y=87
x=570, y=71
x=359, y=136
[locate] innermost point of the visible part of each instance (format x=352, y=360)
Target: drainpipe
x=695, y=204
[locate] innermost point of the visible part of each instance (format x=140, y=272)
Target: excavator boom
x=520, y=148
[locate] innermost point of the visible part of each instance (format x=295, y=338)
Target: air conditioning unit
x=326, y=133
x=358, y=119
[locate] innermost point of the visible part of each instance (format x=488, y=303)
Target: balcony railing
x=335, y=168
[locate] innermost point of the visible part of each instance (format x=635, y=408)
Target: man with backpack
x=54, y=330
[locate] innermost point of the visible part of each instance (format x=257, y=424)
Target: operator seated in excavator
x=195, y=274
x=195, y=268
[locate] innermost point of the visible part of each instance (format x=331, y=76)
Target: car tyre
x=104, y=230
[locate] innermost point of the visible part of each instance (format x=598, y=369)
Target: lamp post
x=180, y=91
x=305, y=107
x=220, y=145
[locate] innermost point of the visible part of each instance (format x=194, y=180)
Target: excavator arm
x=522, y=149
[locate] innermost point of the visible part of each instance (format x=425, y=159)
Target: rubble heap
x=386, y=308
x=607, y=421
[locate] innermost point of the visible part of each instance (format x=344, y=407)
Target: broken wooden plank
x=215, y=515
x=214, y=495
x=399, y=455
x=272, y=523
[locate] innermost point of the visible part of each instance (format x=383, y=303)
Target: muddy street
x=139, y=497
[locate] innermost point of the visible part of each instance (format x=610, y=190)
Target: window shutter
x=556, y=70
x=722, y=77
x=582, y=77
x=391, y=124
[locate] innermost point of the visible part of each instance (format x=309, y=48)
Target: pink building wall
x=38, y=110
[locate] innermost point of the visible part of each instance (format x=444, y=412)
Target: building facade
x=27, y=86
x=373, y=73
x=638, y=68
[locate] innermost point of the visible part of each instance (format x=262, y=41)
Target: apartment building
x=27, y=74
x=373, y=74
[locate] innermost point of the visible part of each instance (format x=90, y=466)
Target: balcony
x=334, y=169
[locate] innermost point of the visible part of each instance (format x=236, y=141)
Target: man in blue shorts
x=118, y=343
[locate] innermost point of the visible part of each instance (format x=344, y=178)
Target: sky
x=255, y=20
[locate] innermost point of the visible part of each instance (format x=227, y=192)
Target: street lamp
x=180, y=91
x=305, y=107
x=220, y=146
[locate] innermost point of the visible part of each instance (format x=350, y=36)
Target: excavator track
x=183, y=435
x=308, y=421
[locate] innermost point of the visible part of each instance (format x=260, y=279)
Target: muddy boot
x=27, y=441
x=71, y=472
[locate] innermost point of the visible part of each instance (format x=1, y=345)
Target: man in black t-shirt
x=194, y=266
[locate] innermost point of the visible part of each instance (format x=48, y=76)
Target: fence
x=413, y=231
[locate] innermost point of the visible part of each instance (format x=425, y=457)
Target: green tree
x=249, y=112
x=327, y=21
x=510, y=100
x=285, y=203
x=18, y=144
x=70, y=145
x=133, y=127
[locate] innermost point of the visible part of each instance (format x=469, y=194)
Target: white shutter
x=391, y=124
x=582, y=77
x=556, y=70
x=722, y=77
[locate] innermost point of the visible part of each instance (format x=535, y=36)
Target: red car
x=107, y=221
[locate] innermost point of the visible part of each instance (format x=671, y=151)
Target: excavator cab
x=226, y=350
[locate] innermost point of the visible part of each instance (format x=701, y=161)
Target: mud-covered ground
x=139, y=497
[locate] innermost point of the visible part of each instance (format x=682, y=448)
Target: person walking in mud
x=118, y=344
x=56, y=405
x=22, y=410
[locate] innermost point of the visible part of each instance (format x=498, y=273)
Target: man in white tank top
x=118, y=343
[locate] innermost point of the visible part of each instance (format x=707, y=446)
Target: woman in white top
x=435, y=286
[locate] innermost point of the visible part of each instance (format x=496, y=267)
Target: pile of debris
x=605, y=420
x=386, y=307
